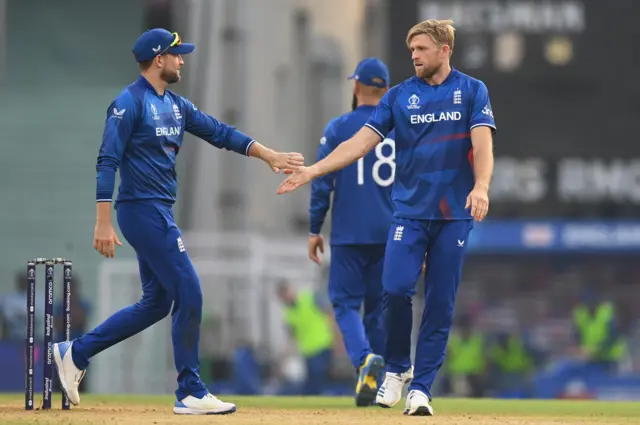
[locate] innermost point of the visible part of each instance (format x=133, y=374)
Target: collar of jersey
x=146, y=84
x=453, y=74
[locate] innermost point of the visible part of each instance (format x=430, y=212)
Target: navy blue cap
x=159, y=41
x=371, y=72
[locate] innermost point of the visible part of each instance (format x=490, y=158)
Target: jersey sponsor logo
x=487, y=111
x=168, y=131
x=435, y=117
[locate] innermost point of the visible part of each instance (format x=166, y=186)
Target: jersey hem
x=161, y=200
x=433, y=219
x=357, y=243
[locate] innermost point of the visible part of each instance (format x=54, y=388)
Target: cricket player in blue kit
x=361, y=216
x=143, y=134
x=444, y=128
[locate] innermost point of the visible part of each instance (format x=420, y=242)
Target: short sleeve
x=381, y=121
x=481, y=111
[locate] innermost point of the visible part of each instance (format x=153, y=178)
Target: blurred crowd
x=525, y=326
x=13, y=310
x=558, y=317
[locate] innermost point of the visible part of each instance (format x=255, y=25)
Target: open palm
x=298, y=178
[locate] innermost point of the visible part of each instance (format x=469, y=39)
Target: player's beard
x=169, y=77
x=428, y=72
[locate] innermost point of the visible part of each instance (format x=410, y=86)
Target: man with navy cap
x=143, y=134
x=361, y=216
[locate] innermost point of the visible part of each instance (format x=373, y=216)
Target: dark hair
x=144, y=65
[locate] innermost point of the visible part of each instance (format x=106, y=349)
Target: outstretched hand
x=298, y=178
x=287, y=161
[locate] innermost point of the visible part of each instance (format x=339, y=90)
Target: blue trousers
x=445, y=243
x=355, y=277
x=168, y=278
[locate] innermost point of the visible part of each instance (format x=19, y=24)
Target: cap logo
x=156, y=49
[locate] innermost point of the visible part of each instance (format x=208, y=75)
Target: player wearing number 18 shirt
x=444, y=128
x=361, y=215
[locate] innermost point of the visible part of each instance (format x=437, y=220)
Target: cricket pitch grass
x=139, y=410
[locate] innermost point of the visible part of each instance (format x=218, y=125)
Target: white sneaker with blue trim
x=68, y=374
x=390, y=392
x=418, y=404
x=207, y=405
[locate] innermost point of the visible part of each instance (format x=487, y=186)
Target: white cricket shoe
x=68, y=374
x=390, y=391
x=418, y=404
x=207, y=405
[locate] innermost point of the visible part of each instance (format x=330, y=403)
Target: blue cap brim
x=182, y=49
x=351, y=77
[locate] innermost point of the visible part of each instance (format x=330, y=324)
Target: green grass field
x=121, y=409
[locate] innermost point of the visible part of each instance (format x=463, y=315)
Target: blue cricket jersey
x=142, y=137
x=434, y=155
x=362, y=209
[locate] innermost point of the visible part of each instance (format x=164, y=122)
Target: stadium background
x=565, y=194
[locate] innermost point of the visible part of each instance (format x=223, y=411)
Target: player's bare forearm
x=277, y=160
x=103, y=212
x=259, y=151
x=347, y=152
x=482, y=142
